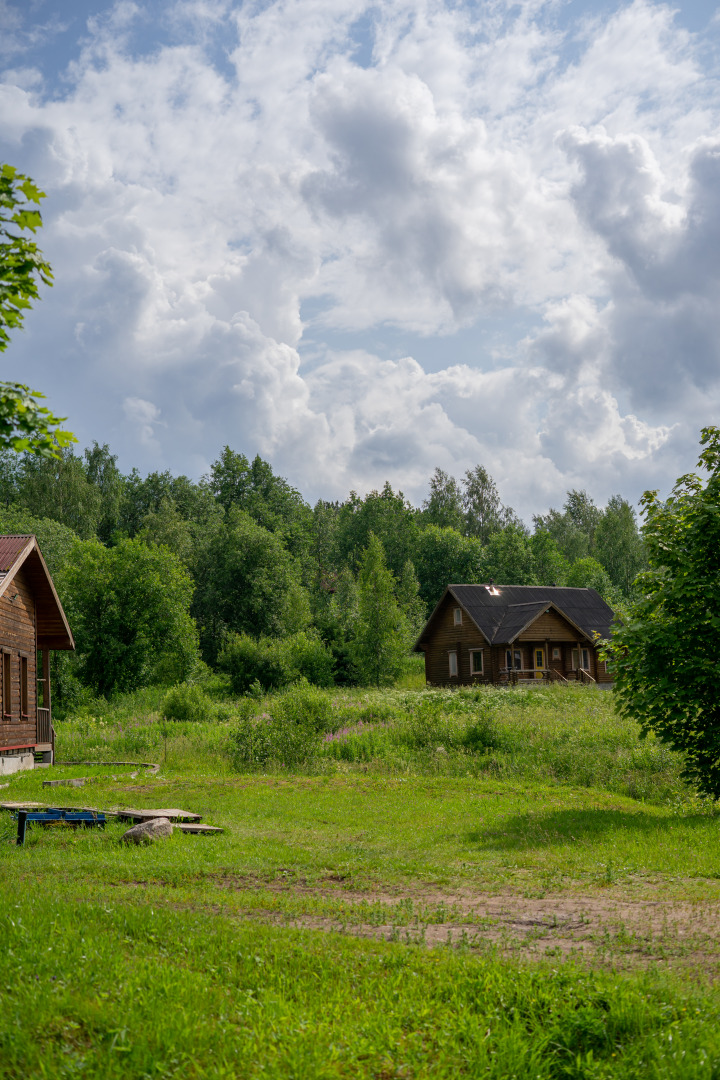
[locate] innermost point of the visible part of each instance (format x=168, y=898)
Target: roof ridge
x=529, y=603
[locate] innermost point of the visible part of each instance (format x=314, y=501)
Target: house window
x=556, y=652
x=513, y=658
x=6, y=685
x=457, y=616
x=452, y=661
x=476, y=661
x=24, y=705
x=584, y=658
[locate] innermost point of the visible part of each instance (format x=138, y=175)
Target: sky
x=366, y=240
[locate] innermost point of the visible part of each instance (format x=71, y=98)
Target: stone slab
x=173, y=814
x=75, y=781
x=196, y=827
x=23, y=806
x=12, y=763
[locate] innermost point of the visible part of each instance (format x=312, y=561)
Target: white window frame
x=453, y=661
x=473, y=654
x=556, y=652
x=579, y=657
x=7, y=701
x=457, y=616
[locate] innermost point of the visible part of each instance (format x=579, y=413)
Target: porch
x=536, y=676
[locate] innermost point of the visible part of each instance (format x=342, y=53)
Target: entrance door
x=539, y=661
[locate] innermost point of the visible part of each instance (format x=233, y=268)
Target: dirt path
x=608, y=929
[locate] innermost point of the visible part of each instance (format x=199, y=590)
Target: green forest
x=164, y=578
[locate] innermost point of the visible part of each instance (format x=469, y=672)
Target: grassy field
x=482, y=884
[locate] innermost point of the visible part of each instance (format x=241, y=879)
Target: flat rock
x=23, y=806
x=172, y=814
x=195, y=827
x=148, y=831
x=75, y=781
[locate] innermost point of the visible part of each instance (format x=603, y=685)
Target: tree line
x=161, y=573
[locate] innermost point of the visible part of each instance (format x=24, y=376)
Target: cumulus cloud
x=400, y=174
x=657, y=340
x=143, y=415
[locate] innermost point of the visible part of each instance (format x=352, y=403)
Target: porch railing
x=511, y=676
x=44, y=726
x=553, y=675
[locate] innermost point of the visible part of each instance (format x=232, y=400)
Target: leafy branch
x=25, y=425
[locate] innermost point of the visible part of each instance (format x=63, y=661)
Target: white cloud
x=144, y=416
x=481, y=165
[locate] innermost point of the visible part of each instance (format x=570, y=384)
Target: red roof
x=10, y=548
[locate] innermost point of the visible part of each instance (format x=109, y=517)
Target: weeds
x=557, y=734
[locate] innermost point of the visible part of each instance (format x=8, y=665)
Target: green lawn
x=572, y=927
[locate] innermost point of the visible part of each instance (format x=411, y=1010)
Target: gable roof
x=53, y=631
x=502, y=612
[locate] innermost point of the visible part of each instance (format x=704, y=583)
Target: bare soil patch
x=606, y=929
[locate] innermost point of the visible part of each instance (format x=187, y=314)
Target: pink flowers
x=344, y=733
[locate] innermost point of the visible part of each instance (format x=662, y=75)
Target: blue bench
x=87, y=818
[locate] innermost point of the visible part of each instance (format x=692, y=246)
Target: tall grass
x=134, y=990
x=570, y=735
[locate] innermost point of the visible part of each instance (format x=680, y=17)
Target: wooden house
x=505, y=634
x=32, y=622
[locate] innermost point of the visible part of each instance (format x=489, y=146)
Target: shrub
x=275, y=662
x=483, y=735
x=186, y=703
x=288, y=736
x=303, y=705
x=427, y=725
x=250, y=742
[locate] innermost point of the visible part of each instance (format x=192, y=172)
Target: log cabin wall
x=549, y=627
x=548, y=631
x=601, y=672
x=448, y=637
x=18, y=639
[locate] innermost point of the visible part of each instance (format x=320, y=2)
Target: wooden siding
x=448, y=637
x=547, y=631
x=18, y=637
x=549, y=627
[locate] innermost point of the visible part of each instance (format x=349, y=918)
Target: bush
x=275, y=662
x=428, y=725
x=187, y=703
x=288, y=736
x=303, y=705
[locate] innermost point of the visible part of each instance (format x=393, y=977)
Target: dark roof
x=516, y=618
x=10, y=548
x=501, y=612
x=53, y=631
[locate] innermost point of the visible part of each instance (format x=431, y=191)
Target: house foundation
x=12, y=761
